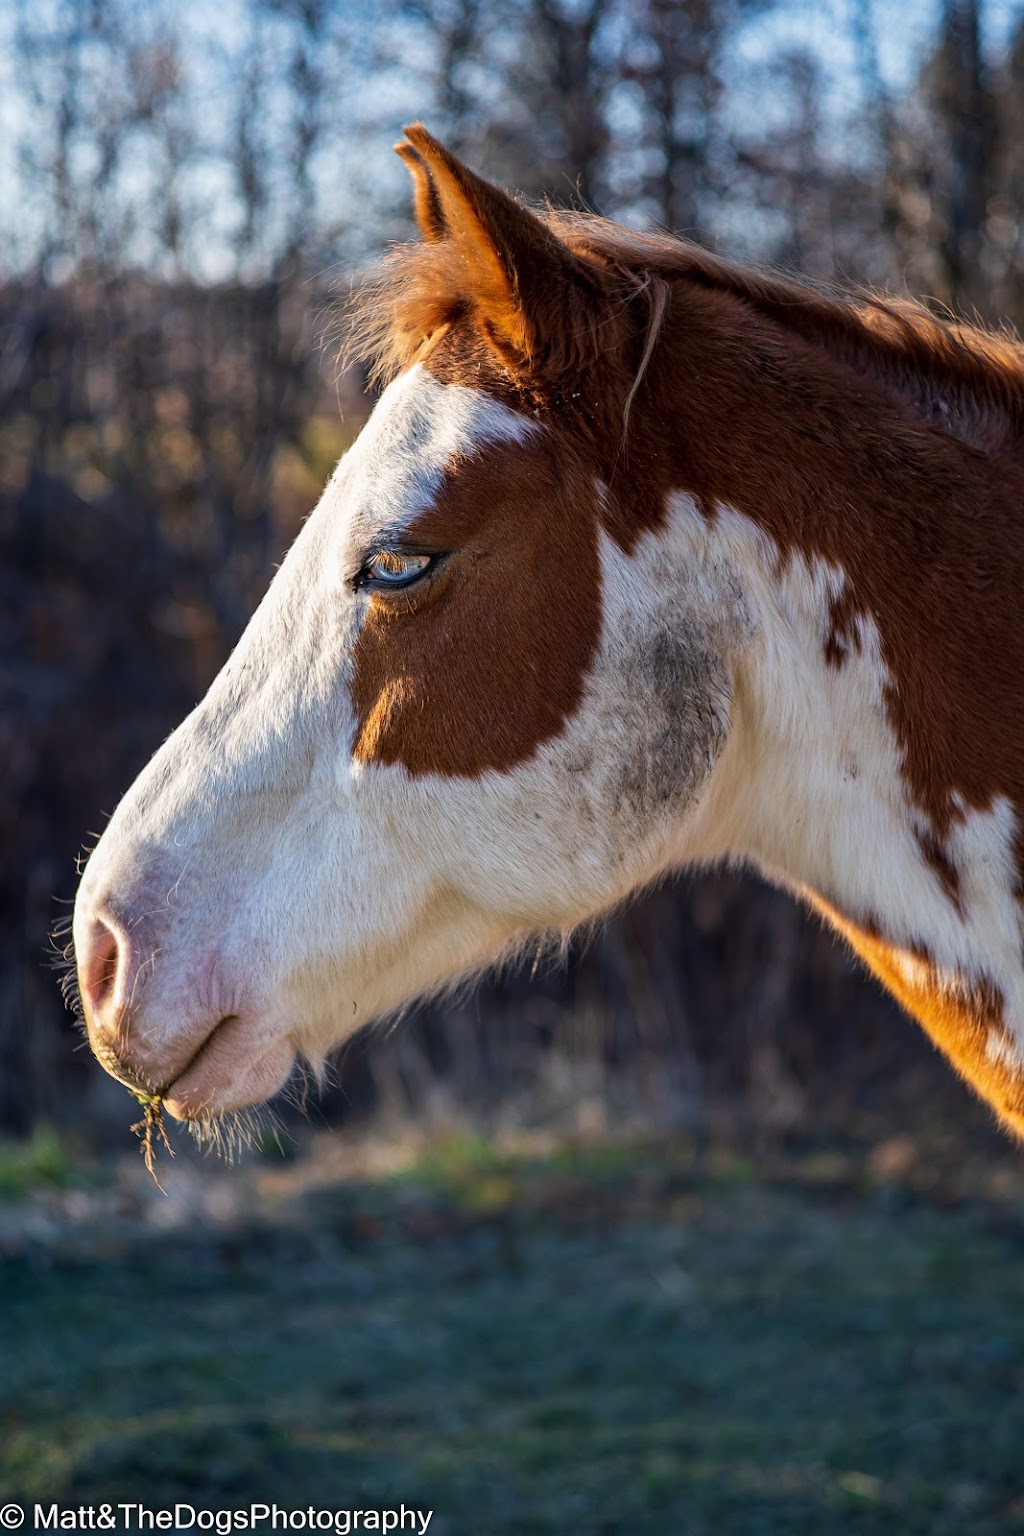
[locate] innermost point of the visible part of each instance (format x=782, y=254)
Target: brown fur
x=524, y=581
x=961, y=1020
x=864, y=432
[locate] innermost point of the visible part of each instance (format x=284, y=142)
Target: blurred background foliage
x=183, y=191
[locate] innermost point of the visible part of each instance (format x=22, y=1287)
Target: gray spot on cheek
x=658, y=706
x=676, y=713
x=654, y=724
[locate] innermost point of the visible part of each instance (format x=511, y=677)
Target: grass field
x=618, y=1340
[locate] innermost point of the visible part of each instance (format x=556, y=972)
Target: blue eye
x=393, y=568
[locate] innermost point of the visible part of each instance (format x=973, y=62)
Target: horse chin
x=240, y=1065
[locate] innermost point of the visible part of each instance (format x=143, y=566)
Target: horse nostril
x=98, y=968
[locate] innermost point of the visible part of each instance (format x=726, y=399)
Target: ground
x=622, y=1339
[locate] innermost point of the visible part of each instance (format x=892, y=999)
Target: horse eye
x=393, y=568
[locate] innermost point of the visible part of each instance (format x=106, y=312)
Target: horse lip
x=193, y=1061
x=272, y=1058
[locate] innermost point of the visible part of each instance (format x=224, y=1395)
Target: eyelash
x=382, y=583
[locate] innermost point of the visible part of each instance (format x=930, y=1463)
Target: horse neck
x=812, y=788
x=877, y=755
x=809, y=788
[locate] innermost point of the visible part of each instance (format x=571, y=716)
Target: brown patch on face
x=474, y=669
x=963, y=1021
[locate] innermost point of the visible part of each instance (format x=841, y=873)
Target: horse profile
x=642, y=560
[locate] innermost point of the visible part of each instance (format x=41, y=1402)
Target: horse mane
x=960, y=377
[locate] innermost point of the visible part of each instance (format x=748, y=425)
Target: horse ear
x=429, y=214
x=534, y=299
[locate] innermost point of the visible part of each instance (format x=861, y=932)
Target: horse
x=642, y=560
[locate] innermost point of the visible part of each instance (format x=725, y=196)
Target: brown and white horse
x=641, y=560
